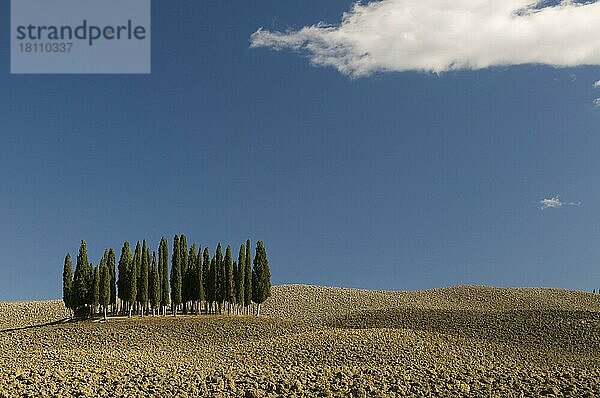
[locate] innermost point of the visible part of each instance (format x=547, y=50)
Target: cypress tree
x=104, y=259
x=154, y=285
x=68, y=283
x=96, y=288
x=90, y=286
x=248, y=275
x=199, y=281
x=160, y=278
x=183, y=258
x=175, y=276
x=110, y=263
x=124, y=264
x=205, y=267
x=105, y=285
x=229, y=284
x=240, y=277
x=137, y=265
x=205, y=276
x=235, y=287
x=261, y=277
x=211, y=286
x=131, y=285
x=163, y=264
x=143, y=280
x=81, y=278
x=220, y=285
x=191, y=276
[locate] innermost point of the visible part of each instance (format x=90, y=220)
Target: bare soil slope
x=16, y=314
x=319, y=341
x=321, y=304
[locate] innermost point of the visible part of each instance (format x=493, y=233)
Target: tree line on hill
x=141, y=283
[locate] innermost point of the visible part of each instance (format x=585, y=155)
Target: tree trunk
x=105, y=313
x=258, y=310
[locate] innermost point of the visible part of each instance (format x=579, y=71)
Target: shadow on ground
x=41, y=325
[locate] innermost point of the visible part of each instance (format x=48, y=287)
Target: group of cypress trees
x=90, y=287
x=141, y=283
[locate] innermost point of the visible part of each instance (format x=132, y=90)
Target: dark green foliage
x=90, y=284
x=240, y=276
x=82, y=278
x=131, y=284
x=248, y=275
x=219, y=265
x=261, y=275
x=143, y=282
x=191, y=277
x=142, y=285
x=137, y=269
x=229, y=283
x=110, y=263
x=235, y=282
x=96, y=287
x=68, y=283
x=163, y=264
x=104, y=258
x=130, y=276
x=176, y=273
x=124, y=264
x=154, y=284
x=205, y=268
x=200, y=296
x=211, y=285
x=104, y=285
x=97, y=282
x=183, y=258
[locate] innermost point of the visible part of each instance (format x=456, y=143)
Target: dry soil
x=317, y=342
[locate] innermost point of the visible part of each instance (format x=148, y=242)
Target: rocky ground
x=315, y=341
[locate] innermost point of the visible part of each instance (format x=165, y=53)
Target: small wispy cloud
x=597, y=84
x=555, y=203
x=597, y=102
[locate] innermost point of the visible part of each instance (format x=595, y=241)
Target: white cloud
x=555, y=203
x=550, y=203
x=597, y=102
x=444, y=35
x=597, y=84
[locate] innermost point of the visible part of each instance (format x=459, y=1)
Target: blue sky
x=389, y=180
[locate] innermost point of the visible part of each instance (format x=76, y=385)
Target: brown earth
x=318, y=341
